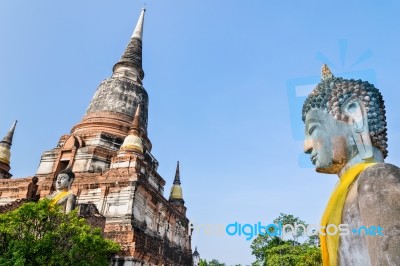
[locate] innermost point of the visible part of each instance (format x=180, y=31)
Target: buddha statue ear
x=355, y=110
x=71, y=180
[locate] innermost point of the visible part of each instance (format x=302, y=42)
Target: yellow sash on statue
x=59, y=196
x=333, y=213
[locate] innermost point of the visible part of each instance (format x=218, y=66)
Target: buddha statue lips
x=345, y=134
x=314, y=159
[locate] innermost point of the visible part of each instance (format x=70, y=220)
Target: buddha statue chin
x=63, y=195
x=345, y=129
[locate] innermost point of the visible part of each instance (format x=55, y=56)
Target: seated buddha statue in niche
x=63, y=196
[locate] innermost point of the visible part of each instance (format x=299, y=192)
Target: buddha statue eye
x=311, y=130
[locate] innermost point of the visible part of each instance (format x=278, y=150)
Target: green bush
x=39, y=234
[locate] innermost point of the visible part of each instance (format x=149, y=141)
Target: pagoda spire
x=7, y=140
x=176, y=195
x=131, y=59
x=113, y=106
x=133, y=141
x=177, y=179
x=5, y=154
x=135, y=128
x=196, y=253
x=138, y=32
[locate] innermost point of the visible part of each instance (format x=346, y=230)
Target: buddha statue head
x=345, y=123
x=65, y=179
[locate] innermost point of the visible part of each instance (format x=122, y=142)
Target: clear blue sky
x=217, y=74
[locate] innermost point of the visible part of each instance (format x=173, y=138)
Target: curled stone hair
x=332, y=92
x=68, y=171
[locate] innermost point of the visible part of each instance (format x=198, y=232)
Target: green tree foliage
x=203, y=263
x=272, y=250
x=290, y=219
x=39, y=234
x=288, y=254
x=216, y=263
x=213, y=262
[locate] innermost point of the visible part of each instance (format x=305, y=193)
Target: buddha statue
x=63, y=195
x=345, y=134
x=32, y=193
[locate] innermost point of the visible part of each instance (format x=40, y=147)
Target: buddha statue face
x=328, y=141
x=64, y=180
x=344, y=121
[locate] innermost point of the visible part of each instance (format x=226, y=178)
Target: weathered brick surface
x=92, y=215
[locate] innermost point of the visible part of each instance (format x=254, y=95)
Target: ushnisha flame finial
x=326, y=72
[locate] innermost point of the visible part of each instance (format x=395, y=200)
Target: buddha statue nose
x=308, y=146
